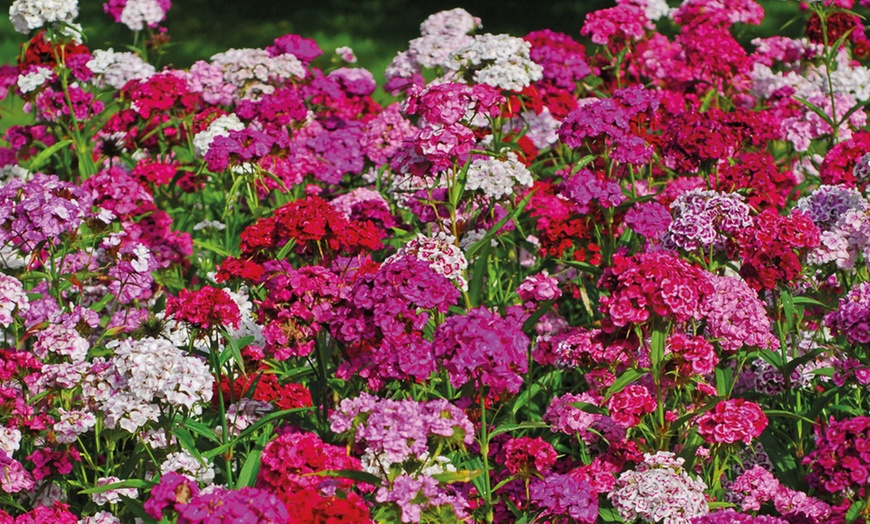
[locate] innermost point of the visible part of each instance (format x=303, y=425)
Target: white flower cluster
x=442, y=255
x=242, y=414
x=659, y=490
x=100, y=517
x=73, y=423
x=112, y=496
x=497, y=178
x=501, y=61
x=142, y=374
x=252, y=71
x=221, y=126
x=10, y=440
x=155, y=369
x=248, y=325
x=379, y=465
x=542, y=129
x=186, y=464
x=62, y=341
x=450, y=23
x=33, y=80
x=116, y=69
x=848, y=239
x=12, y=296
x=140, y=13
x=27, y=15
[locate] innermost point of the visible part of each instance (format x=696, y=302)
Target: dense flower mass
x=617, y=274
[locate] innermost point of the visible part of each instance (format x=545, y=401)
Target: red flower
x=204, y=308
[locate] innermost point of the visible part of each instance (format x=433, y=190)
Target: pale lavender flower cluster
x=501, y=61
x=440, y=253
x=252, y=71
x=400, y=429
x=564, y=416
x=496, y=178
x=736, y=316
x=12, y=298
x=413, y=495
x=27, y=15
x=186, y=464
x=705, y=219
x=442, y=34
x=659, y=490
x=852, y=317
x=384, y=134
x=758, y=486
x=827, y=204
x=242, y=414
x=39, y=210
x=114, y=69
x=847, y=239
x=142, y=374
x=155, y=369
x=584, y=187
x=71, y=424
x=62, y=341
x=112, y=496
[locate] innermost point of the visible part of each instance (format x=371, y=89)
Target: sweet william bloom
x=205, y=308
x=565, y=496
x=525, y=457
x=12, y=298
x=731, y=421
x=484, y=348
x=659, y=490
x=27, y=15
x=629, y=405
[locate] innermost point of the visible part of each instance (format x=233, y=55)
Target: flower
x=27, y=15
x=730, y=421
x=205, y=308
x=659, y=490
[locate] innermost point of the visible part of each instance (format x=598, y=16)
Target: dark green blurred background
x=375, y=29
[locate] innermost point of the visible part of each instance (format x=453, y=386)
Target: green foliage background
x=376, y=29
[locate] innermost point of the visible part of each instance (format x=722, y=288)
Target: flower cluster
x=731, y=421
x=654, y=284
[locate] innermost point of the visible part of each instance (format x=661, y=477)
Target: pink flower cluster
x=653, y=284
x=731, y=421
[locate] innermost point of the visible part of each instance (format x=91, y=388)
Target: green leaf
x=201, y=429
x=352, y=474
x=506, y=428
x=208, y=246
x=590, y=408
x=135, y=507
x=47, y=153
x=477, y=246
x=248, y=473
x=234, y=348
x=627, y=377
x=186, y=440
x=478, y=270
x=854, y=511
x=126, y=483
x=450, y=477
x=787, y=414
x=609, y=515
x=816, y=109
x=529, y=324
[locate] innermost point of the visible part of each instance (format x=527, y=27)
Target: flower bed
x=549, y=282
